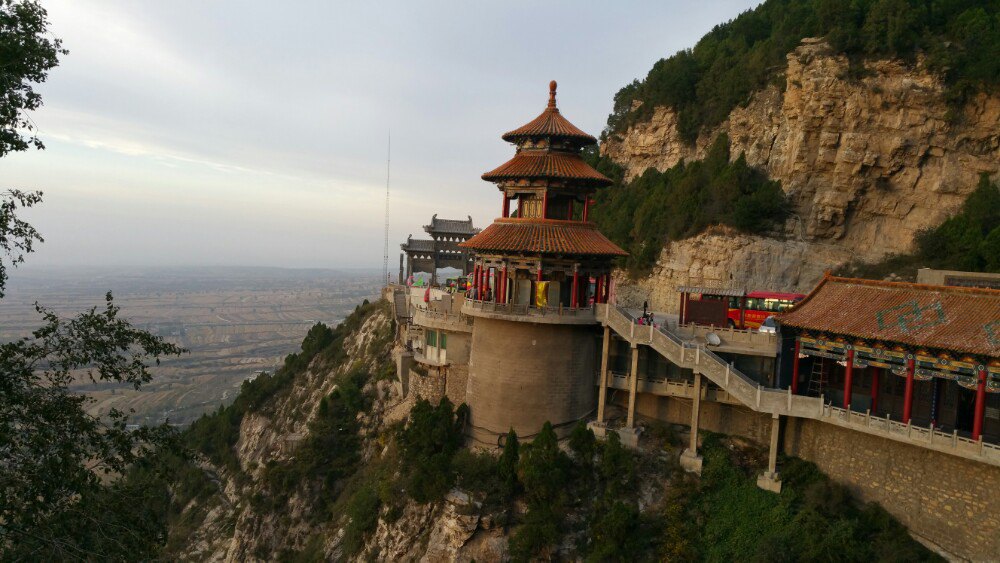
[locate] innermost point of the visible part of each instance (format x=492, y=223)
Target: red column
x=795, y=368
x=908, y=394
x=586, y=207
x=683, y=311
x=875, y=374
x=475, y=279
x=607, y=289
x=539, y=273
x=570, y=216
x=506, y=205
x=597, y=288
x=977, y=422
x=545, y=205
x=575, y=295
x=848, y=378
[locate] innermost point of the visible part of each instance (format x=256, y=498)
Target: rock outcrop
x=867, y=162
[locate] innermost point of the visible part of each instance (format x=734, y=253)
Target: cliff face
x=867, y=163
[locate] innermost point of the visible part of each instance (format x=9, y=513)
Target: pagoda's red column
x=506, y=205
x=875, y=374
x=977, y=422
x=570, y=216
x=586, y=207
x=795, y=368
x=575, y=295
x=848, y=379
x=475, y=279
x=597, y=289
x=908, y=394
x=545, y=205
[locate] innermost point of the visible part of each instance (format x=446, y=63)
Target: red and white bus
x=733, y=307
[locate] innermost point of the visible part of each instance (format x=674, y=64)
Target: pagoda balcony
x=524, y=313
x=442, y=320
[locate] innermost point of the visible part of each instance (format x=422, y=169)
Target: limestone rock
x=867, y=162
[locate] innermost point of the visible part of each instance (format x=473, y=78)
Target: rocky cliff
x=866, y=161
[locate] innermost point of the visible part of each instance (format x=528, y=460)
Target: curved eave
x=543, y=236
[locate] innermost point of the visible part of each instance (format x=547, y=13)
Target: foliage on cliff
x=681, y=202
x=703, y=84
x=968, y=241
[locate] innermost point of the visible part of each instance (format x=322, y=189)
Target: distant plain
x=235, y=322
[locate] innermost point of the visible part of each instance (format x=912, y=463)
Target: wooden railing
x=442, y=320
x=524, y=310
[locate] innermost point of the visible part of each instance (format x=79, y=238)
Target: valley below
x=235, y=323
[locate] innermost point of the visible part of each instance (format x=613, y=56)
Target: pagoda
x=547, y=237
x=534, y=348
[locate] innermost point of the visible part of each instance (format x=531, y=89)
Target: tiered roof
x=547, y=165
x=932, y=316
x=548, y=236
x=556, y=158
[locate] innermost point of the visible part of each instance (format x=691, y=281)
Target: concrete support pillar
x=771, y=480
x=602, y=391
x=690, y=460
x=977, y=421
x=633, y=386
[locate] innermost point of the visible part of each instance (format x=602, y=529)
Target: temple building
x=440, y=251
x=923, y=355
x=892, y=389
x=535, y=337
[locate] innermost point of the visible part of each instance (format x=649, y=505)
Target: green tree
x=427, y=445
x=59, y=479
x=507, y=465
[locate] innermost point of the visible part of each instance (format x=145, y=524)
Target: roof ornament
x=552, y=94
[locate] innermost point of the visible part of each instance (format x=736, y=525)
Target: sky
x=255, y=133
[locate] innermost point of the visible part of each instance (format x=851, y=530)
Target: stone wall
x=523, y=374
x=427, y=383
x=944, y=499
x=456, y=380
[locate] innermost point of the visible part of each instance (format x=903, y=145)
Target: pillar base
x=628, y=436
x=770, y=481
x=691, y=461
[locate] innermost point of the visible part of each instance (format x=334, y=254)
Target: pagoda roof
x=460, y=226
x=543, y=164
x=543, y=236
x=934, y=316
x=550, y=123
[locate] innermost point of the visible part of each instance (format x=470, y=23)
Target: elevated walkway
x=740, y=389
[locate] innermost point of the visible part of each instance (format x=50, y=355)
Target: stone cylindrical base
x=524, y=374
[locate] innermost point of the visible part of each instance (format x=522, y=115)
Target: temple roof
x=934, y=316
x=538, y=164
x=459, y=226
x=543, y=236
x=550, y=124
x=417, y=245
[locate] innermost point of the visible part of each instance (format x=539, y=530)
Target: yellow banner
x=541, y=294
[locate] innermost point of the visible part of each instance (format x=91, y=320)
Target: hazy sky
x=196, y=132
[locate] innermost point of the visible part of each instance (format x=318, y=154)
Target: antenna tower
x=385, y=249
